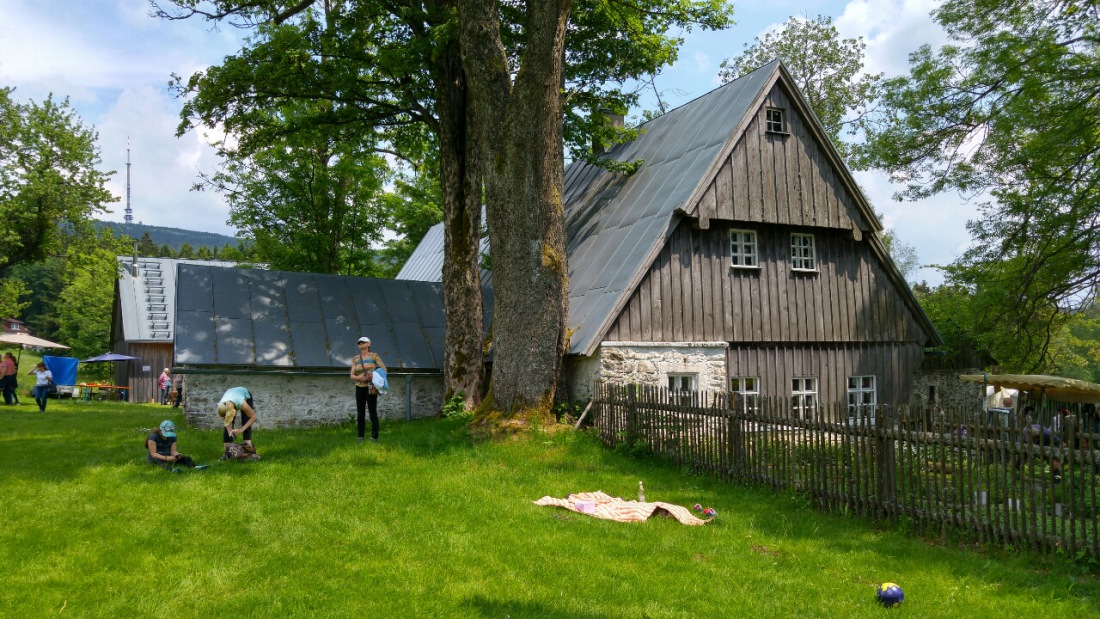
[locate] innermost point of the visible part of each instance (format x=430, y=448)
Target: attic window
x=775, y=120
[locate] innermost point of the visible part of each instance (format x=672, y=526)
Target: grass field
x=427, y=523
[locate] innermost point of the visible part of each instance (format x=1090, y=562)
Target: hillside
x=172, y=237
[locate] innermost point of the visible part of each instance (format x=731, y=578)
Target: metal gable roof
x=615, y=224
x=242, y=317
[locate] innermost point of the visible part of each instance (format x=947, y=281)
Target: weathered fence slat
x=949, y=470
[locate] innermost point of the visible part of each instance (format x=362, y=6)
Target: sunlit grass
x=428, y=523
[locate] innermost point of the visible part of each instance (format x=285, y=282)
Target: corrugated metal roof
x=242, y=317
x=426, y=262
x=146, y=296
x=615, y=223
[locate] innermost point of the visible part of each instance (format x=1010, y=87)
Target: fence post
x=884, y=462
x=632, y=414
x=736, y=448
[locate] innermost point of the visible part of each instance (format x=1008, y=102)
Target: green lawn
x=427, y=523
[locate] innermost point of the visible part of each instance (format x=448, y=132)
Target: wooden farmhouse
x=741, y=255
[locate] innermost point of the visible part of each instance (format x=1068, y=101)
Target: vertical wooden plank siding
x=691, y=277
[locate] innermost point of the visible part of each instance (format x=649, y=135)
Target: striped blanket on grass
x=600, y=505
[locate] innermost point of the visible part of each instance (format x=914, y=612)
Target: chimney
x=615, y=120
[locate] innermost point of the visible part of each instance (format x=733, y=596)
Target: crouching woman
x=237, y=404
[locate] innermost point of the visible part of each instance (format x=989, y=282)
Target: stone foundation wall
x=303, y=400
x=650, y=363
x=951, y=393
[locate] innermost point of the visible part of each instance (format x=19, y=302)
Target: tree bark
x=460, y=175
x=518, y=128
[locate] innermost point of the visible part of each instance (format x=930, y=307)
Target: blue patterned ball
x=890, y=594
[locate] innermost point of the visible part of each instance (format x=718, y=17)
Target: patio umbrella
x=110, y=356
x=25, y=339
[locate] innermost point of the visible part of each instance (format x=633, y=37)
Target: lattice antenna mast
x=129, y=219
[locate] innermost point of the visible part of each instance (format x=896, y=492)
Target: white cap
x=364, y=340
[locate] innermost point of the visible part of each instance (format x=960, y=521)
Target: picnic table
x=103, y=391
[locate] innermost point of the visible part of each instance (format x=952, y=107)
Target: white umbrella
x=24, y=339
x=28, y=340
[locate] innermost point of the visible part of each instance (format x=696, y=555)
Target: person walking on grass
x=161, y=446
x=366, y=396
x=43, y=380
x=237, y=403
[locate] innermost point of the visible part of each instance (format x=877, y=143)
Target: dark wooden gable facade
x=851, y=317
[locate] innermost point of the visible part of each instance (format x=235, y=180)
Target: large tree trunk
x=460, y=172
x=519, y=131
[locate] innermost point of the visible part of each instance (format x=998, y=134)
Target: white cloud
x=114, y=61
x=892, y=30
x=163, y=166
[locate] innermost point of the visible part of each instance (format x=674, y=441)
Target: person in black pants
x=366, y=396
x=238, y=400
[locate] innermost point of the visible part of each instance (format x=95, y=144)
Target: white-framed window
x=678, y=383
x=775, y=120
x=743, y=248
x=861, y=397
x=681, y=387
x=747, y=390
x=803, y=252
x=803, y=396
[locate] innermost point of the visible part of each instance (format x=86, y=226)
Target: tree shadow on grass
x=518, y=609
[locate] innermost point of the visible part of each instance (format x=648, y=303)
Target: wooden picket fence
x=942, y=471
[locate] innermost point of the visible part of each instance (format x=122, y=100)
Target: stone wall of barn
x=307, y=400
x=650, y=364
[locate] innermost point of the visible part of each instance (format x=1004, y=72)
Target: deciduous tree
x=395, y=65
x=50, y=184
x=84, y=307
x=1008, y=112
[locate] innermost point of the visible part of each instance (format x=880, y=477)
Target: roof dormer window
x=775, y=120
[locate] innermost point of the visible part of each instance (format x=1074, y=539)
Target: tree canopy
x=1007, y=114
x=396, y=69
x=50, y=186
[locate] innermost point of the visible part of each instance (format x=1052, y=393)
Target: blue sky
x=113, y=61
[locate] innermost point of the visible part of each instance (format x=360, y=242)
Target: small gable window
x=775, y=120
x=743, y=248
x=803, y=252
